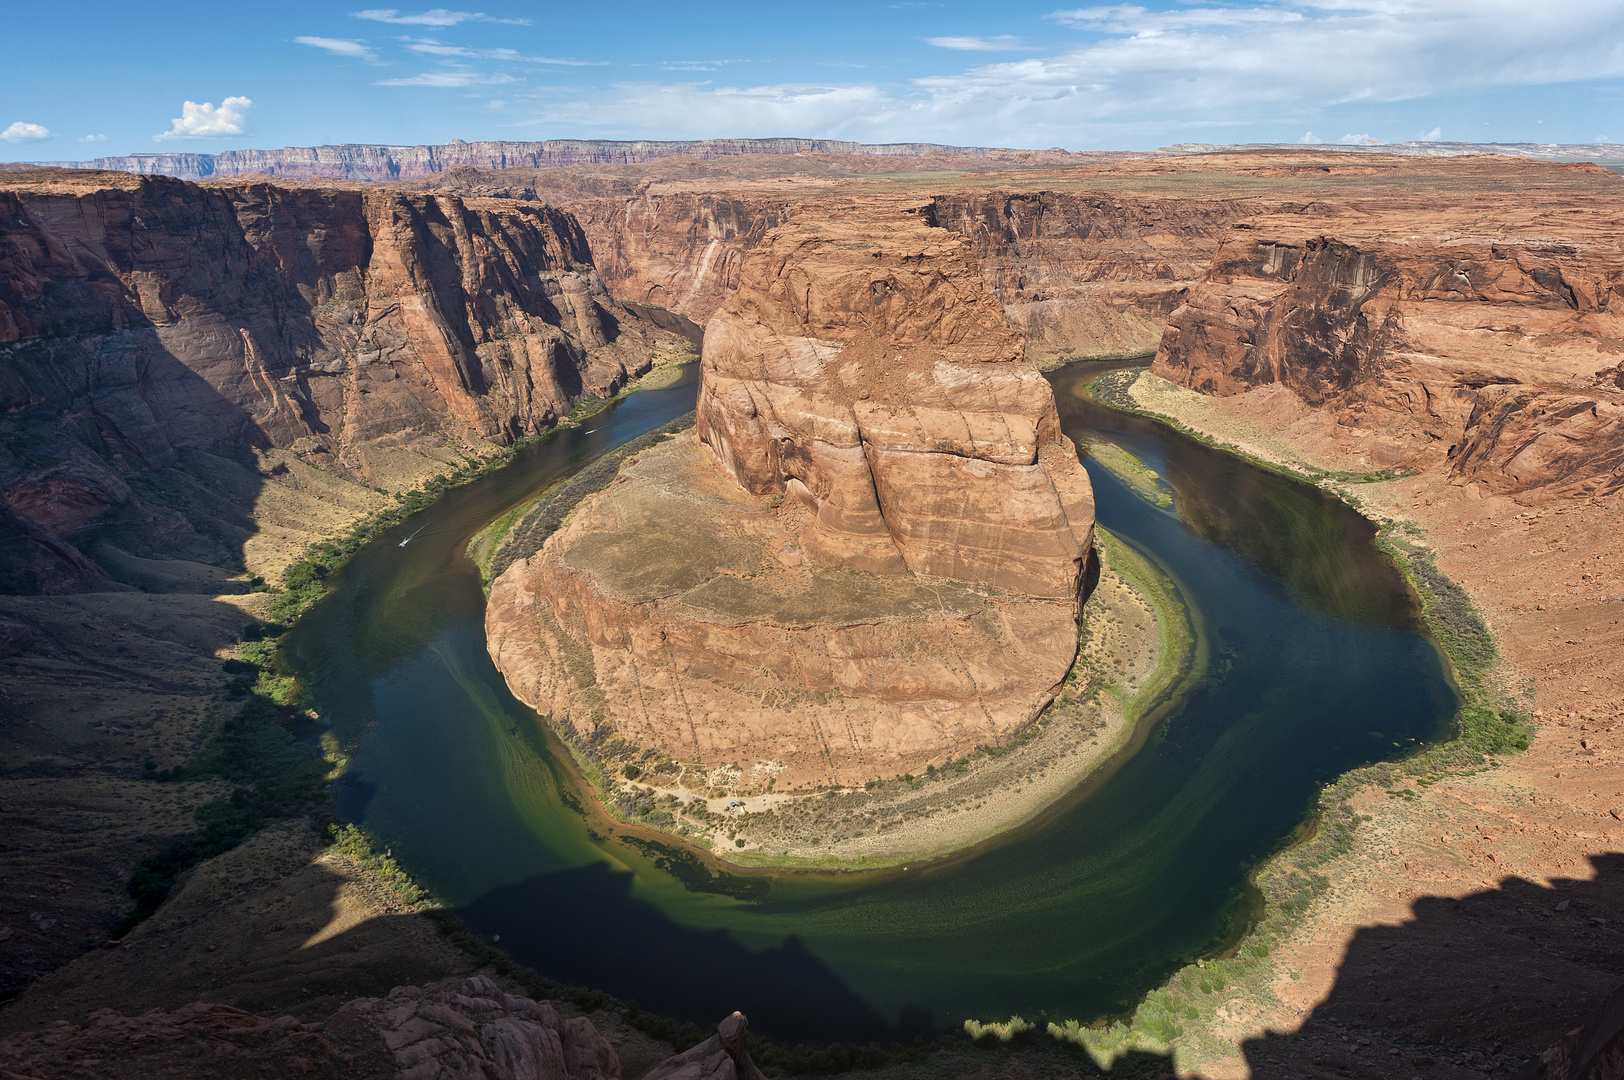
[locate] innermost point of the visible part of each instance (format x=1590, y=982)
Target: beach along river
x=1314, y=665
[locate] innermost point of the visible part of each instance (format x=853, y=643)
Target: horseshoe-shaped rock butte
x=867, y=558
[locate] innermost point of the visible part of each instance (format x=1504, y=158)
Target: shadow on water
x=584, y=926
x=1319, y=547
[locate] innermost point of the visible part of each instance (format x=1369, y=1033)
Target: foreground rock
x=871, y=562
x=721, y=1057
x=475, y=1032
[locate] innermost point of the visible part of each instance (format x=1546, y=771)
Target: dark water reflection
x=1315, y=667
x=1320, y=548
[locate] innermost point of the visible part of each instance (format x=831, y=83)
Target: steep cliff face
x=681, y=251
x=870, y=563
x=1483, y=345
x=861, y=370
x=1087, y=274
x=142, y=317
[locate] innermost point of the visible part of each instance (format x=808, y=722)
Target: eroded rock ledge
x=870, y=559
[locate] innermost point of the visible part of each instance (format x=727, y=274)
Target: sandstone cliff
x=1087, y=274
x=1486, y=343
x=681, y=251
x=142, y=318
x=871, y=563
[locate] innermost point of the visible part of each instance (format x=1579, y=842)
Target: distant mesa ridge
x=362, y=161
x=369, y=161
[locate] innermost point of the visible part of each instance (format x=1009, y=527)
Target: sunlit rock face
x=868, y=561
x=862, y=370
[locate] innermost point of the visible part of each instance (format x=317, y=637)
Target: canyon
x=335, y=338
x=201, y=379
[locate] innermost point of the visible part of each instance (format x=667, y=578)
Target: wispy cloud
x=432, y=17
x=451, y=79
x=340, y=46
x=1435, y=135
x=1362, y=139
x=431, y=47
x=93, y=138
x=1001, y=43
x=1310, y=139
x=697, y=65
x=1133, y=19
x=21, y=131
x=205, y=121
x=1134, y=74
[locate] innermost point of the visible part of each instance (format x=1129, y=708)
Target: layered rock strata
x=144, y=317
x=1089, y=274
x=870, y=560
x=1492, y=349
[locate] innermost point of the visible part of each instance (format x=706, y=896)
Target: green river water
x=1316, y=665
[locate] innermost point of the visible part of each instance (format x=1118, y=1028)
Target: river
x=1317, y=665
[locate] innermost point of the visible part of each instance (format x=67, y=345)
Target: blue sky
x=82, y=80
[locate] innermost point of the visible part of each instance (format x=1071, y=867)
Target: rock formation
x=142, y=317
x=723, y=1056
x=474, y=1032
x=1493, y=349
x=871, y=560
x=483, y=1032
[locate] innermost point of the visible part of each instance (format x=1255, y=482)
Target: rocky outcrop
x=870, y=560
x=721, y=1057
x=477, y=1031
x=1494, y=349
x=140, y=317
x=482, y=1032
x=860, y=370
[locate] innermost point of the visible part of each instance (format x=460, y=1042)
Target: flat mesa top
x=673, y=528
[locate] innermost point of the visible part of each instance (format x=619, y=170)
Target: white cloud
x=25, y=132
x=1133, y=19
x=1001, y=43
x=432, y=17
x=1131, y=75
x=1310, y=138
x=450, y=79
x=431, y=47
x=1359, y=140
x=1435, y=135
x=93, y=138
x=341, y=46
x=205, y=121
